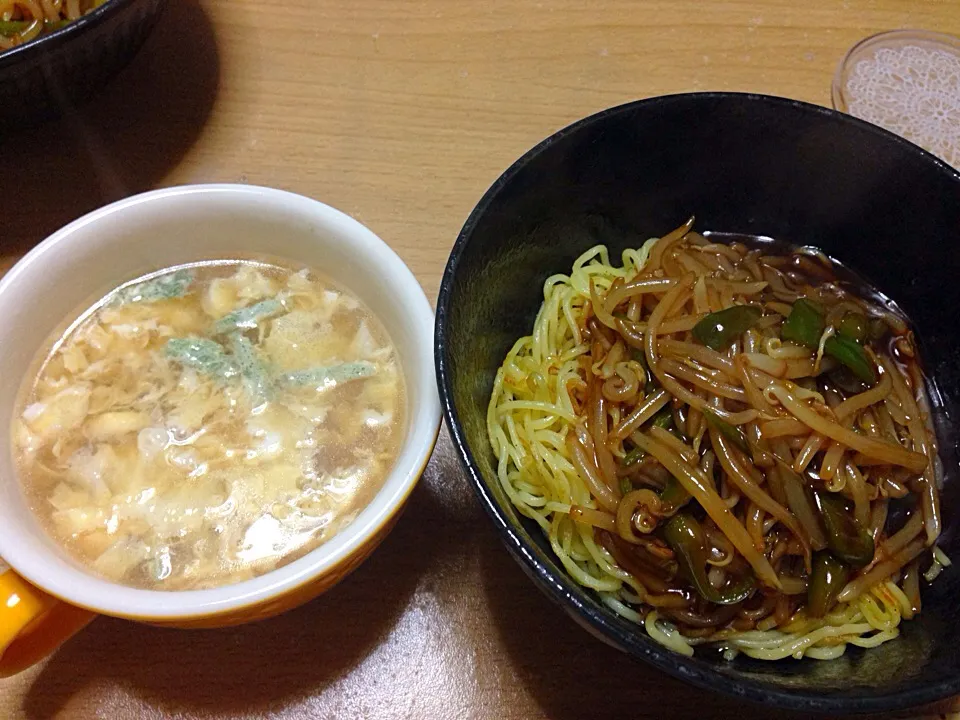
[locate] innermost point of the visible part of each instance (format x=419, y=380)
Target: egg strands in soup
x=208, y=423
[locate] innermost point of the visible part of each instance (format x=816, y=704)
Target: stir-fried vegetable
x=802, y=505
x=876, y=329
x=753, y=413
x=673, y=496
x=718, y=330
x=685, y=537
x=828, y=578
x=634, y=456
x=703, y=490
x=846, y=538
x=33, y=20
x=854, y=326
x=663, y=419
x=852, y=355
x=730, y=432
x=805, y=325
x=10, y=28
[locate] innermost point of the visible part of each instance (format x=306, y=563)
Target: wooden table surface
x=400, y=113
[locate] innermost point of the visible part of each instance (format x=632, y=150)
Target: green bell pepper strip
x=718, y=330
x=633, y=457
x=854, y=326
x=730, y=432
x=847, y=539
x=828, y=577
x=663, y=419
x=14, y=27
x=876, y=329
x=805, y=325
x=802, y=504
x=673, y=496
x=851, y=354
x=686, y=538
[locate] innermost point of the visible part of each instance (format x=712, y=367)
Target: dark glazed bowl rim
x=559, y=586
x=24, y=53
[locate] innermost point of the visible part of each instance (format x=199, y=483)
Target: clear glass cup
x=907, y=81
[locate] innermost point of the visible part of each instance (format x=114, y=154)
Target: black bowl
x=49, y=75
x=745, y=164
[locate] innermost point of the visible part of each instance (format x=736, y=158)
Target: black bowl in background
x=47, y=76
x=745, y=164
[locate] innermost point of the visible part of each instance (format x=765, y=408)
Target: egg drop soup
x=209, y=423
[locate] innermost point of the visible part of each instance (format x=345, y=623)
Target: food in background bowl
x=209, y=423
x=24, y=20
x=732, y=445
x=67, y=61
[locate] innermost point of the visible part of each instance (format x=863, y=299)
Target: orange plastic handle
x=32, y=623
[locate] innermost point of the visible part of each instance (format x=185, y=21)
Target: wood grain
x=401, y=114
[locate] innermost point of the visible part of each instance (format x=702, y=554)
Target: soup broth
x=208, y=423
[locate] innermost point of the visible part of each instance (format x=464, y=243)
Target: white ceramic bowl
x=92, y=255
